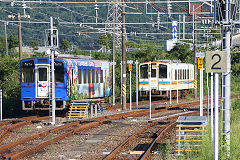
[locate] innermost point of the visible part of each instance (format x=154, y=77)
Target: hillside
x=85, y=13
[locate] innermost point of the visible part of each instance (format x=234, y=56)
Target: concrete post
x=216, y=97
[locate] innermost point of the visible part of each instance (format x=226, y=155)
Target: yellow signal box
x=200, y=63
x=130, y=67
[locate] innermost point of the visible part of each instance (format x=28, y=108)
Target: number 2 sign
x=216, y=61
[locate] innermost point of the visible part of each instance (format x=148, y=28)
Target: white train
x=166, y=75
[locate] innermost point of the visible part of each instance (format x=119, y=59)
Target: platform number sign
x=216, y=61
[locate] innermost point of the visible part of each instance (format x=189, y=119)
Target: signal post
x=130, y=62
x=200, y=56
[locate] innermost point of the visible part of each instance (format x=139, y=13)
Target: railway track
x=9, y=126
x=36, y=142
x=146, y=138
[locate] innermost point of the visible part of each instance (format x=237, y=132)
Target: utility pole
x=20, y=36
x=227, y=76
x=52, y=73
x=216, y=97
x=6, y=42
x=124, y=107
x=113, y=51
x=195, y=50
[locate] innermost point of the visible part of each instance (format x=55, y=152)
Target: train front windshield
x=144, y=71
x=162, y=71
x=28, y=72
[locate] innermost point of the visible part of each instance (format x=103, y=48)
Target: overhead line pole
x=124, y=107
x=113, y=50
x=20, y=36
x=52, y=74
x=6, y=42
x=195, y=51
x=227, y=77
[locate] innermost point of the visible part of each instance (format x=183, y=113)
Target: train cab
x=35, y=82
x=161, y=76
x=74, y=79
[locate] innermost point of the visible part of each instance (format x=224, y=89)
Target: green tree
x=105, y=40
x=65, y=45
x=2, y=44
x=34, y=44
x=181, y=52
x=12, y=41
x=131, y=44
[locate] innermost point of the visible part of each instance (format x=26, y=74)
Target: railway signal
x=200, y=63
x=200, y=56
x=130, y=62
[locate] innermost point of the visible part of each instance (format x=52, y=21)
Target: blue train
x=74, y=79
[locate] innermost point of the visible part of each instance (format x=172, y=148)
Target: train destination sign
x=216, y=61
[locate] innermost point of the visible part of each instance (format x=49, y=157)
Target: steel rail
x=38, y=147
x=35, y=136
x=33, y=149
x=97, y=121
x=18, y=119
x=132, y=137
x=10, y=128
x=160, y=134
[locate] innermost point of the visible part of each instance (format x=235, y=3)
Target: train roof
x=165, y=61
x=73, y=57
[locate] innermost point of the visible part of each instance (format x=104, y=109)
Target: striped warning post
x=124, y=90
x=195, y=84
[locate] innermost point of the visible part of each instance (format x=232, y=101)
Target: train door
x=163, y=77
x=42, y=81
x=154, y=79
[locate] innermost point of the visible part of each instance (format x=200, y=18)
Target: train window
x=153, y=73
x=187, y=73
x=93, y=76
x=89, y=76
x=97, y=76
x=59, y=72
x=28, y=72
x=162, y=71
x=101, y=76
x=84, y=76
x=144, y=71
x=79, y=76
x=175, y=74
x=183, y=73
x=179, y=74
x=42, y=74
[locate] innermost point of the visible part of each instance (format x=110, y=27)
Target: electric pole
x=19, y=36
x=52, y=92
x=6, y=42
x=124, y=107
x=113, y=51
x=227, y=75
x=195, y=50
